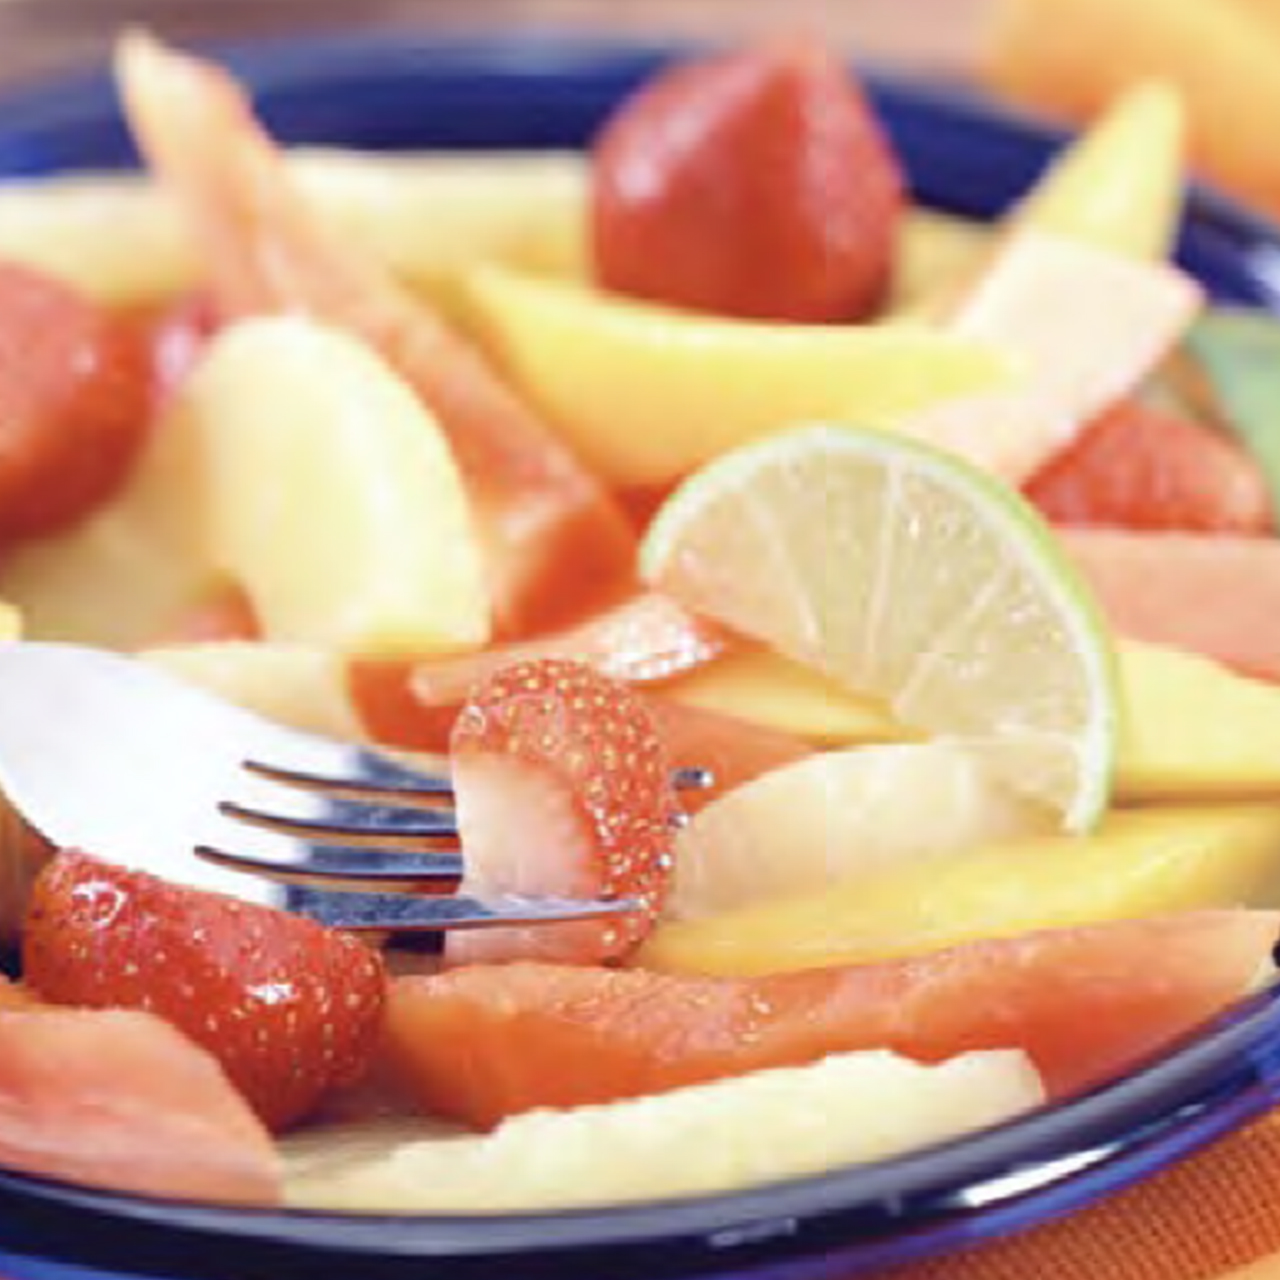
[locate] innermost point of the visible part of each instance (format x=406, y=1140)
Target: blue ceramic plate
x=962, y=157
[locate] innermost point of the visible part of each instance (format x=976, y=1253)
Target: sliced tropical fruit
x=1223, y=62
x=121, y=1100
x=10, y=621
x=645, y=639
x=427, y=216
x=1208, y=593
x=481, y=1044
x=303, y=686
x=906, y=574
x=328, y=492
x=557, y=544
x=719, y=1136
x=644, y=394
x=1086, y=324
x=1191, y=729
x=936, y=253
x=1147, y=466
x=839, y=814
x=1229, y=372
x=757, y=684
x=1141, y=862
x=1119, y=185
x=129, y=573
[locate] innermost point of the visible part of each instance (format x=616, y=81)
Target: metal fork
x=111, y=755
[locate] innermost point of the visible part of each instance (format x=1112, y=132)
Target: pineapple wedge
x=763, y=1127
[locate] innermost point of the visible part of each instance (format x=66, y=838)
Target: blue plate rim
x=1182, y=1091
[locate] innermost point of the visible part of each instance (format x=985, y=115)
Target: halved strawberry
x=563, y=788
x=290, y=1009
x=1140, y=467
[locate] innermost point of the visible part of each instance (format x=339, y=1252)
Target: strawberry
x=75, y=402
x=563, y=788
x=289, y=1009
x=756, y=184
x=1144, y=468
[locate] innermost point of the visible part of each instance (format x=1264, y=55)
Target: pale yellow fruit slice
x=129, y=573
x=426, y=216
x=645, y=394
x=1140, y=862
x=10, y=621
x=329, y=493
x=937, y=252
x=1119, y=185
x=759, y=685
x=1086, y=325
x=760, y=1128
x=1191, y=729
x=840, y=814
x=904, y=573
x=302, y=686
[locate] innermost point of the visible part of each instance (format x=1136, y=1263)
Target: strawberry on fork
x=563, y=787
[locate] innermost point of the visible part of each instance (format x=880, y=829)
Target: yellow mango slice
x=10, y=621
x=646, y=394
x=1119, y=186
x=762, y=686
x=935, y=249
x=1191, y=729
x=1140, y=862
x=426, y=216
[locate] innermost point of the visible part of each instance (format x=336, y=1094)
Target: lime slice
x=905, y=573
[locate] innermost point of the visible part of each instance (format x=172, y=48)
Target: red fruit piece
x=1209, y=593
x=122, y=1100
x=755, y=184
x=647, y=638
x=563, y=789
x=477, y=1045
x=75, y=403
x=288, y=1008
x=1140, y=467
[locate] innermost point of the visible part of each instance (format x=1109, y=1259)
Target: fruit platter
x=576, y=421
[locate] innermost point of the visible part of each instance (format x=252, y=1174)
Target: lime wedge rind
x=1028, y=546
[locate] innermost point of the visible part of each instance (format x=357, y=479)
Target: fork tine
x=433, y=793
x=425, y=872
x=407, y=838
x=427, y=792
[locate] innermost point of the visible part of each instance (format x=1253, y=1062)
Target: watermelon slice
x=1212, y=594
x=479, y=1044
x=120, y=1099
